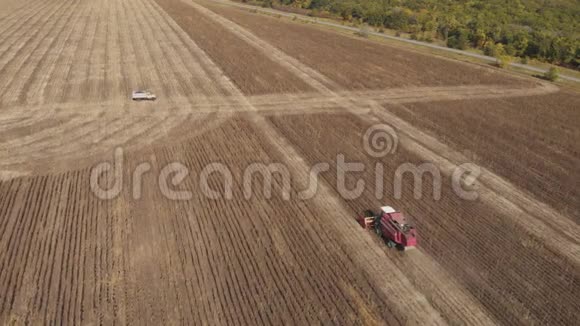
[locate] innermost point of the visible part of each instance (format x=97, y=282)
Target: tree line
x=547, y=30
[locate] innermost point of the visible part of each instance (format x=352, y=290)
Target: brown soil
x=237, y=88
x=249, y=70
x=467, y=238
x=533, y=142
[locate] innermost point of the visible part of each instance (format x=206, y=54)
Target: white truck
x=143, y=96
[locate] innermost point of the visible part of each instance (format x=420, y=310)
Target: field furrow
x=18, y=88
x=14, y=59
x=14, y=32
x=37, y=84
x=76, y=86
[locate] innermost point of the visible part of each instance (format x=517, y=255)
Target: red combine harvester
x=392, y=226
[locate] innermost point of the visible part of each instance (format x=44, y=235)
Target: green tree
x=520, y=43
x=458, y=39
x=552, y=74
x=546, y=30
x=503, y=61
